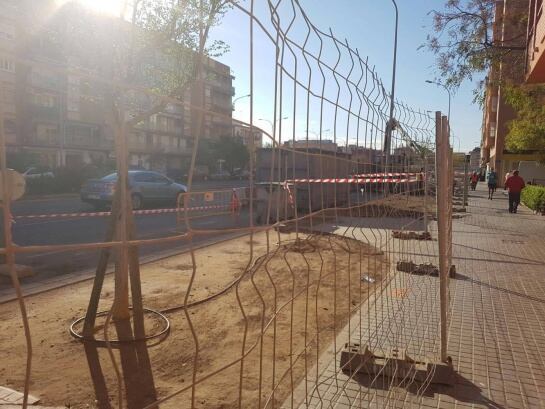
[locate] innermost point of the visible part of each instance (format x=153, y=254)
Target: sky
x=367, y=25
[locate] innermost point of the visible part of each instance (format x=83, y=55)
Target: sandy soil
x=314, y=285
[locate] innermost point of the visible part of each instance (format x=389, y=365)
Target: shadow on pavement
x=462, y=389
x=503, y=290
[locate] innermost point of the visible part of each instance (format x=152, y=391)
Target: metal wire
x=331, y=279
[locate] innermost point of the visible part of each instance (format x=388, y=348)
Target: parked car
x=36, y=172
x=147, y=187
x=200, y=172
x=223, y=175
x=240, y=174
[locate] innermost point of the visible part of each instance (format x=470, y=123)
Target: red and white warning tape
x=135, y=212
x=381, y=175
x=354, y=180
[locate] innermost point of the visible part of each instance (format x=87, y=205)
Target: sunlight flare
x=107, y=7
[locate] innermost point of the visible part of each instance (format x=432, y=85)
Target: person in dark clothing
x=492, y=183
x=514, y=184
x=474, y=178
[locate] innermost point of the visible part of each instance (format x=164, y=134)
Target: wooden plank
x=9, y=396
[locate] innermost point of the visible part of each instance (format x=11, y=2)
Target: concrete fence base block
x=423, y=269
x=395, y=363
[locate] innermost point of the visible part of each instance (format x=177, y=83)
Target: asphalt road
x=85, y=229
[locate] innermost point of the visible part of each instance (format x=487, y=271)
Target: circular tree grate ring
x=164, y=330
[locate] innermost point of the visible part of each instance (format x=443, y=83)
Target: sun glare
x=107, y=7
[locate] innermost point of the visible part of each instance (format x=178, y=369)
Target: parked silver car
x=36, y=172
x=146, y=188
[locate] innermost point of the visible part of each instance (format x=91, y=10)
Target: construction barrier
x=227, y=201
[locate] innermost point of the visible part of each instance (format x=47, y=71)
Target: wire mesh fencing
x=330, y=249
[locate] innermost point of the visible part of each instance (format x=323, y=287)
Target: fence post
x=425, y=183
x=466, y=176
x=450, y=180
x=443, y=187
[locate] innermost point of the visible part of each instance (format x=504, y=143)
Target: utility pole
x=390, y=124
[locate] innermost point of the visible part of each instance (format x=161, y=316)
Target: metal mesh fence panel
x=330, y=249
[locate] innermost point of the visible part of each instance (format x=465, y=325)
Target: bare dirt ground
x=313, y=284
x=408, y=203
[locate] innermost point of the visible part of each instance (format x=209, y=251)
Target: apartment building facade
x=62, y=119
x=535, y=55
x=509, y=30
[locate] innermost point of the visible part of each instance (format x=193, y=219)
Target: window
x=7, y=31
x=156, y=178
x=147, y=177
x=44, y=100
x=9, y=126
x=82, y=135
x=8, y=92
x=492, y=130
x=44, y=78
x=6, y=64
x=112, y=177
x=494, y=104
x=143, y=178
x=47, y=133
x=73, y=94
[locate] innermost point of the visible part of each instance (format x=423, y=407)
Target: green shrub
x=66, y=180
x=534, y=197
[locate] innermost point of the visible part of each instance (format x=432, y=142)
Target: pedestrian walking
x=514, y=184
x=474, y=179
x=507, y=176
x=492, y=183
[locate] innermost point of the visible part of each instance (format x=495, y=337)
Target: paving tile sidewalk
x=496, y=322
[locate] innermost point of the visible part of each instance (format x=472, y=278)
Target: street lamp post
x=236, y=99
x=390, y=125
x=271, y=122
x=449, y=96
x=316, y=133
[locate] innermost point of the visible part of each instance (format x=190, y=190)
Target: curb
x=89, y=274
x=34, y=198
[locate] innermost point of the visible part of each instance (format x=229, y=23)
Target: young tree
x=170, y=40
x=464, y=42
x=154, y=45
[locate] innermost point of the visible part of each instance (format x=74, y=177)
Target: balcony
x=45, y=112
x=157, y=148
x=88, y=143
x=535, y=64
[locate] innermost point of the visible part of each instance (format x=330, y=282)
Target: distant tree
x=527, y=131
x=231, y=150
x=464, y=45
x=207, y=154
x=234, y=152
